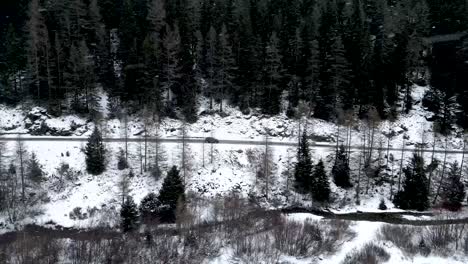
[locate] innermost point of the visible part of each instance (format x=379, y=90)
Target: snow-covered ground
x=229, y=171
x=364, y=233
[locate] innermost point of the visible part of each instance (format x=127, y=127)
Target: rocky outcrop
x=39, y=123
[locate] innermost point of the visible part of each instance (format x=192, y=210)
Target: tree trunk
x=21, y=160
x=462, y=163
x=401, y=164
x=432, y=162
x=442, y=176
x=266, y=165
x=358, y=185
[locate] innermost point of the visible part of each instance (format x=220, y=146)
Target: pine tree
x=122, y=163
x=37, y=49
x=129, y=215
x=226, y=67
x=326, y=99
x=272, y=78
x=211, y=64
x=415, y=193
x=95, y=160
x=172, y=191
x=453, y=193
x=340, y=73
x=358, y=51
x=340, y=170
x=14, y=61
x=171, y=65
x=35, y=172
x=303, y=169
x=156, y=15
x=149, y=207
x=320, y=184
x=311, y=80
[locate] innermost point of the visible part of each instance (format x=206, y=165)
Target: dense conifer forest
x=336, y=56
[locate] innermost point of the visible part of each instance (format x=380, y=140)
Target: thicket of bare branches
x=253, y=235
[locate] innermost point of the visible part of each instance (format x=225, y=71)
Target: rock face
x=39, y=123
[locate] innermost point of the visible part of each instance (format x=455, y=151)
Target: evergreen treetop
x=320, y=184
x=414, y=194
x=453, y=192
x=340, y=170
x=303, y=169
x=94, y=150
x=129, y=215
x=172, y=191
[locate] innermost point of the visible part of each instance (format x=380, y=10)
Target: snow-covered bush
x=400, y=236
x=77, y=214
x=258, y=248
x=298, y=239
x=369, y=254
x=382, y=205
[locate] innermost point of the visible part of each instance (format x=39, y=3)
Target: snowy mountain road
x=199, y=140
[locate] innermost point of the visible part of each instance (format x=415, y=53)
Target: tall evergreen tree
x=95, y=160
x=171, y=65
x=326, y=99
x=38, y=47
x=340, y=170
x=453, y=192
x=320, y=184
x=415, y=193
x=211, y=62
x=226, y=67
x=303, y=169
x=149, y=207
x=129, y=215
x=35, y=172
x=273, y=76
x=358, y=51
x=340, y=73
x=172, y=191
x=156, y=15
x=14, y=62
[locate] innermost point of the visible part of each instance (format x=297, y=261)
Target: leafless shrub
x=400, y=236
x=256, y=249
x=33, y=249
x=80, y=251
x=335, y=232
x=199, y=245
x=465, y=245
x=439, y=236
x=369, y=254
x=297, y=239
x=444, y=237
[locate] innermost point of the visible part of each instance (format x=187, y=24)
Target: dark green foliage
x=35, y=172
x=453, y=192
x=129, y=215
x=172, y=191
x=95, y=160
x=272, y=77
x=12, y=169
x=340, y=170
x=303, y=169
x=149, y=207
x=330, y=54
x=382, y=205
x=415, y=193
x=320, y=184
x=122, y=163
